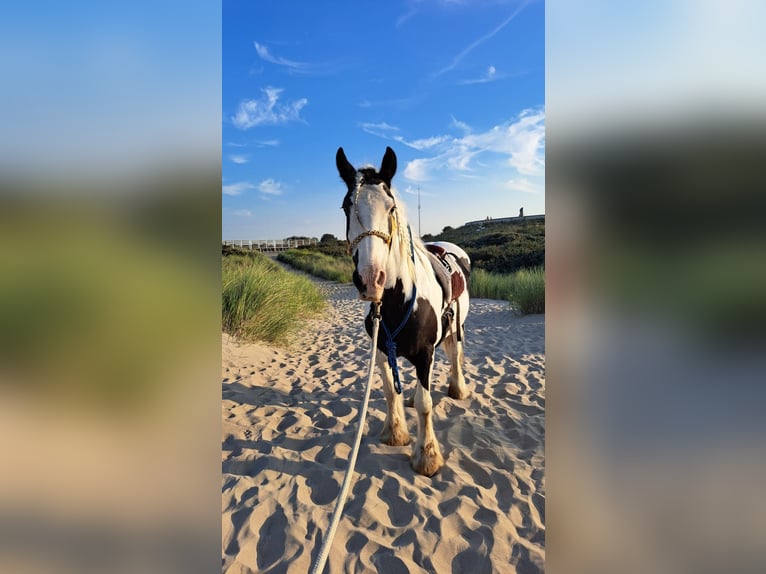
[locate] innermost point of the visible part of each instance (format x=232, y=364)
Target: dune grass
x=525, y=288
x=319, y=264
x=261, y=301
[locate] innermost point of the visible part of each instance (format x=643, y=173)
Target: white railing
x=269, y=244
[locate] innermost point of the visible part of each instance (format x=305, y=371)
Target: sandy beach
x=289, y=419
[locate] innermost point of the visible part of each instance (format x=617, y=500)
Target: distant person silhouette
x=521, y=212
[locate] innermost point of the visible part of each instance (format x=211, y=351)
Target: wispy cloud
x=268, y=110
x=237, y=188
x=478, y=42
x=461, y=125
x=297, y=67
x=257, y=143
x=267, y=186
x=238, y=159
x=242, y=212
x=517, y=144
x=267, y=56
x=489, y=76
x=270, y=187
x=407, y=102
x=381, y=129
x=523, y=185
x=387, y=131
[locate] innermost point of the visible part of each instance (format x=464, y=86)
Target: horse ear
x=345, y=169
x=388, y=166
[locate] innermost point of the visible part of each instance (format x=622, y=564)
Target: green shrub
x=525, y=289
x=319, y=264
x=261, y=301
x=528, y=290
x=486, y=285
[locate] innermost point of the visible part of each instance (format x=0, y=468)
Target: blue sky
x=455, y=88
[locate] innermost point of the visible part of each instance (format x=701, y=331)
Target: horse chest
x=420, y=334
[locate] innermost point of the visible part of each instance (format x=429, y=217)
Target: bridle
x=387, y=237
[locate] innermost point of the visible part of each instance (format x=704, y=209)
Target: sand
x=289, y=419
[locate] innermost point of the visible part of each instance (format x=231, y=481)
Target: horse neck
x=401, y=266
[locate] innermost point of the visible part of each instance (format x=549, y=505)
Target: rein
x=324, y=551
x=390, y=337
x=387, y=237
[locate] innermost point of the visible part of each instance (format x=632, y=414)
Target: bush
x=525, y=289
x=528, y=290
x=320, y=264
x=261, y=301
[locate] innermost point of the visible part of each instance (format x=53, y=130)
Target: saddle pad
x=442, y=275
x=453, y=284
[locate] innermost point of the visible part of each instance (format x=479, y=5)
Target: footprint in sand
x=385, y=561
x=324, y=488
x=471, y=560
x=504, y=494
x=289, y=420
x=399, y=510
x=477, y=472
x=356, y=542
x=271, y=539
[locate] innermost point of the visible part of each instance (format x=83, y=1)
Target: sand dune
x=289, y=418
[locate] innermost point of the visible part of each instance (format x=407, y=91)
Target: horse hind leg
x=394, y=431
x=456, y=379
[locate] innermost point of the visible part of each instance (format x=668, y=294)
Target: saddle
x=449, y=275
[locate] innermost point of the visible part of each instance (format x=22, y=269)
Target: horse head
x=372, y=222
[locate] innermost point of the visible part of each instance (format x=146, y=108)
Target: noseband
x=372, y=232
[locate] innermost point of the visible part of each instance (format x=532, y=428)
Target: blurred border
x=655, y=144
x=110, y=176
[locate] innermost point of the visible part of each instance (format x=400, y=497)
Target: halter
x=387, y=237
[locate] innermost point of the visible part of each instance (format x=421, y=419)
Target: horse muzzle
x=370, y=284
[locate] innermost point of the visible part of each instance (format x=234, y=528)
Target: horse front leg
x=426, y=456
x=394, y=431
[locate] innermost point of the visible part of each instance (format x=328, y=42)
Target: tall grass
x=319, y=264
x=261, y=301
x=525, y=288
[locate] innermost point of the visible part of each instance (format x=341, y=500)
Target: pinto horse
x=422, y=289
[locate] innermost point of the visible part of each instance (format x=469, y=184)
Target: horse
x=421, y=292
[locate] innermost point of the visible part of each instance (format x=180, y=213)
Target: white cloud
x=239, y=159
x=523, y=185
x=387, y=131
x=517, y=144
x=268, y=110
x=489, y=76
x=461, y=125
x=425, y=143
x=270, y=187
x=376, y=129
x=468, y=49
x=243, y=213
x=237, y=188
x=266, y=55
x=418, y=170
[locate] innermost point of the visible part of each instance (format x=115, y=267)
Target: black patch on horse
x=417, y=339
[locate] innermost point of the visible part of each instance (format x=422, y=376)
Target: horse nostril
x=381, y=279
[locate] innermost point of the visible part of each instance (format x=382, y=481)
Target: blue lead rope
x=390, y=342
